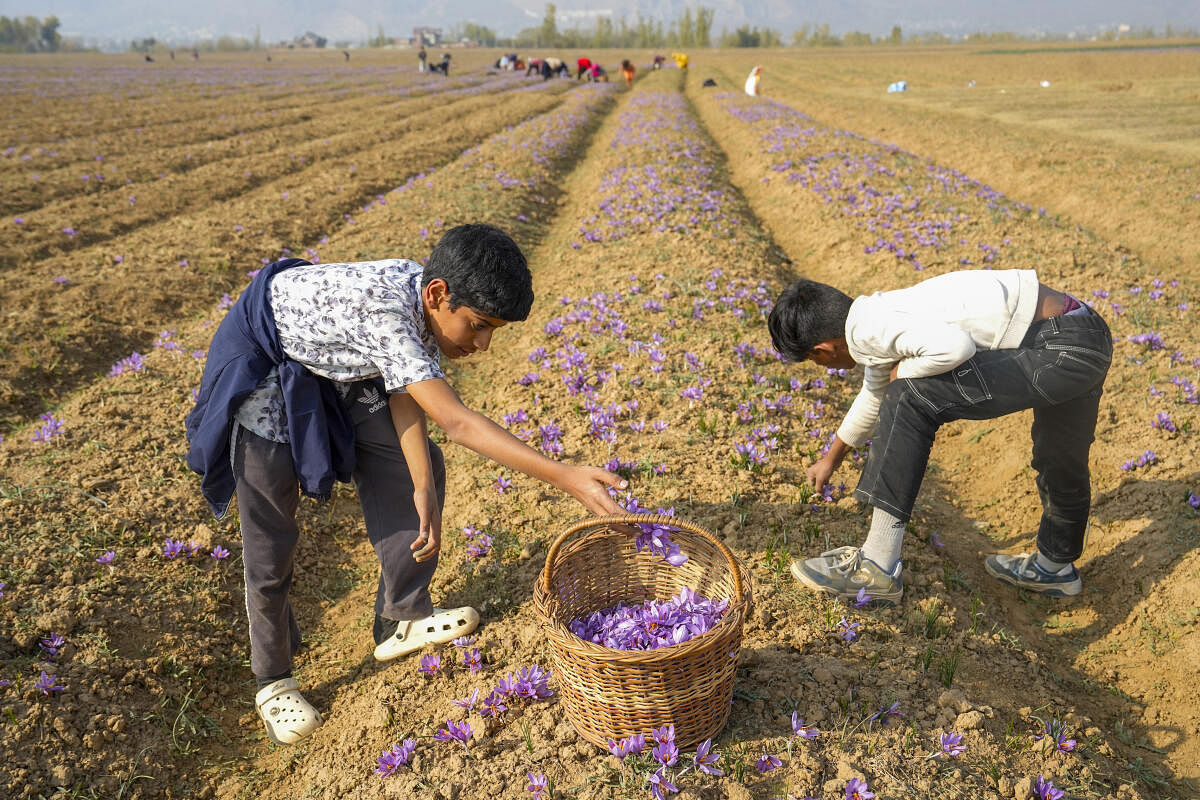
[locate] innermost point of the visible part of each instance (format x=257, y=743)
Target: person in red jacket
x=584, y=65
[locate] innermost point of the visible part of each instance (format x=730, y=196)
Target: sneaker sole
x=888, y=598
x=1068, y=589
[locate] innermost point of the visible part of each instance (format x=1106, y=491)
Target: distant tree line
x=29, y=35
x=690, y=29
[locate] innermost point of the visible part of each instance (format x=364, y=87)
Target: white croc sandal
x=289, y=718
x=440, y=627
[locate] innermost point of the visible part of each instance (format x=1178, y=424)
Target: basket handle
x=640, y=519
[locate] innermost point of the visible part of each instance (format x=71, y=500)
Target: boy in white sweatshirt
x=975, y=344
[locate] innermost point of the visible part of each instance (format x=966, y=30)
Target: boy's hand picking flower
x=589, y=485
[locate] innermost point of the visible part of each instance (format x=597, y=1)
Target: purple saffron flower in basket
x=395, y=758
x=767, y=762
x=538, y=785
x=705, y=758
x=430, y=664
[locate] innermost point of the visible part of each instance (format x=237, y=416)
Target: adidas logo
x=373, y=399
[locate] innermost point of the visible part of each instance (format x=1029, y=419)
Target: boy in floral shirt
x=328, y=372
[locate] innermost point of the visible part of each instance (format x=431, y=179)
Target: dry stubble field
x=660, y=223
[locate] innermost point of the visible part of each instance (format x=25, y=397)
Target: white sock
x=884, y=540
x=1052, y=567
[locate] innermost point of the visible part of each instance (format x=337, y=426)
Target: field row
x=71, y=314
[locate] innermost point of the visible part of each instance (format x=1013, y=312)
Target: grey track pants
x=268, y=496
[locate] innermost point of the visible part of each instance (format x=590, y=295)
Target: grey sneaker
x=843, y=572
x=1023, y=570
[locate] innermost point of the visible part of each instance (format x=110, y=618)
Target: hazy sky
x=354, y=20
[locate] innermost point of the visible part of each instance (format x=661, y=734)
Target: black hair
x=484, y=270
x=806, y=314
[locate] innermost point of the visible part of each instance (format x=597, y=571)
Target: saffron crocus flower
x=454, y=732
x=767, y=762
x=848, y=630
x=47, y=684
x=857, y=789
x=887, y=712
x=395, y=758
x=430, y=664
x=172, y=548
x=1045, y=790
x=473, y=659
x=539, y=785
x=952, y=744
x=862, y=599
x=1056, y=731
x=467, y=702
x=219, y=553
x=630, y=745
x=660, y=784
x=666, y=753
x=463, y=642
x=502, y=484
x=705, y=758
x=493, y=705
x=106, y=557
x=52, y=644
x=802, y=731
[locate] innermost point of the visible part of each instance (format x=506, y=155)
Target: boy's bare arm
x=820, y=472
x=409, y=421
x=471, y=429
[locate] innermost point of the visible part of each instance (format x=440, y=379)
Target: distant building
x=427, y=37
x=310, y=39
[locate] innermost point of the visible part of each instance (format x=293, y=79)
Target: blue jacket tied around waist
x=243, y=351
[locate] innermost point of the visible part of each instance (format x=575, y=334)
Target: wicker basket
x=611, y=693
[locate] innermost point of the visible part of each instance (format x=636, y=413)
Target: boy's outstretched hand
x=589, y=485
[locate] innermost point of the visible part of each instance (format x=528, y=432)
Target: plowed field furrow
x=55, y=337
x=109, y=133
x=161, y=151
x=98, y=217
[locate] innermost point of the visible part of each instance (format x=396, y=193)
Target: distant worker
x=554, y=66
x=149, y=59
x=346, y=53
x=195, y=55
x=627, y=71
x=659, y=60
x=535, y=65
x=681, y=60
x=172, y=55
x=445, y=66
x=584, y=65
x=598, y=74
x=752, y=82
x=422, y=60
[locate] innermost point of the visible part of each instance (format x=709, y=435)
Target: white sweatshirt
x=930, y=328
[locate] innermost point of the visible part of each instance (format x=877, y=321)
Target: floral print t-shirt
x=346, y=322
